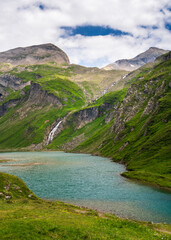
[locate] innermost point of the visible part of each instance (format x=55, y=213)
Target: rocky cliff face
x=10, y=82
x=42, y=97
x=34, y=55
x=8, y=105
x=34, y=97
x=131, y=64
x=139, y=97
x=88, y=115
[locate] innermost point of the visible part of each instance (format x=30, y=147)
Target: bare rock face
x=165, y=57
x=131, y=64
x=87, y=115
x=34, y=55
x=10, y=81
x=42, y=97
x=10, y=104
x=35, y=96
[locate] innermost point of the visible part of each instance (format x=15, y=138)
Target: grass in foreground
x=22, y=217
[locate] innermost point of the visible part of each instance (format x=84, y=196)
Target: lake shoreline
x=136, y=180
x=109, y=202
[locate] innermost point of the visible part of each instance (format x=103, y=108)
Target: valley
x=117, y=114
x=51, y=114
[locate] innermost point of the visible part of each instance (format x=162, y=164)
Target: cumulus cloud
x=30, y=22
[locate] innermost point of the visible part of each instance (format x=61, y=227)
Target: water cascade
x=51, y=134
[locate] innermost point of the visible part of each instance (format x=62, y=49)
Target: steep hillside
x=20, y=66
x=34, y=98
x=27, y=114
x=131, y=64
x=131, y=125
x=96, y=82
x=52, y=106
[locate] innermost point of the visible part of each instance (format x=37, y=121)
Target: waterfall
x=124, y=76
x=51, y=134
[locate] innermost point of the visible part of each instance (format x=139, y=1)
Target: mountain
x=66, y=107
x=34, y=55
x=131, y=64
x=131, y=126
x=16, y=71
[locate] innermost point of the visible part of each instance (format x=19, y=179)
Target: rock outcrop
x=88, y=115
x=8, y=81
x=34, y=96
x=10, y=104
x=38, y=96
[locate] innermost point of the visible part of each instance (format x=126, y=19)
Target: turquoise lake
x=89, y=181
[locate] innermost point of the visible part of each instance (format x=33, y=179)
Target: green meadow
x=25, y=216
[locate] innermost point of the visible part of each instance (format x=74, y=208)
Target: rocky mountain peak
x=36, y=54
x=141, y=59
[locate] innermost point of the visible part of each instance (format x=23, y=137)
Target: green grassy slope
x=12, y=188
x=94, y=81
x=53, y=79
x=21, y=131
x=72, y=136
x=28, y=123
x=18, y=133
x=144, y=141
x=24, y=217
x=30, y=120
x=132, y=125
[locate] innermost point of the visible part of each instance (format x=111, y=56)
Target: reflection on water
x=89, y=181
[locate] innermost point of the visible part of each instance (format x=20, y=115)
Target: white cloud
x=22, y=23
x=107, y=49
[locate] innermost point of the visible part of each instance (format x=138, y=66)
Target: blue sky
x=88, y=30
x=91, y=32
x=168, y=26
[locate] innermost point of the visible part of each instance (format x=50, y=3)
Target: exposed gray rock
x=131, y=64
x=34, y=55
x=36, y=96
x=165, y=57
x=7, y=197
x=7, y=187
x=90, y=114
x=10, y=81
x=39, y=96
x=10, y=104
x=85, y=116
